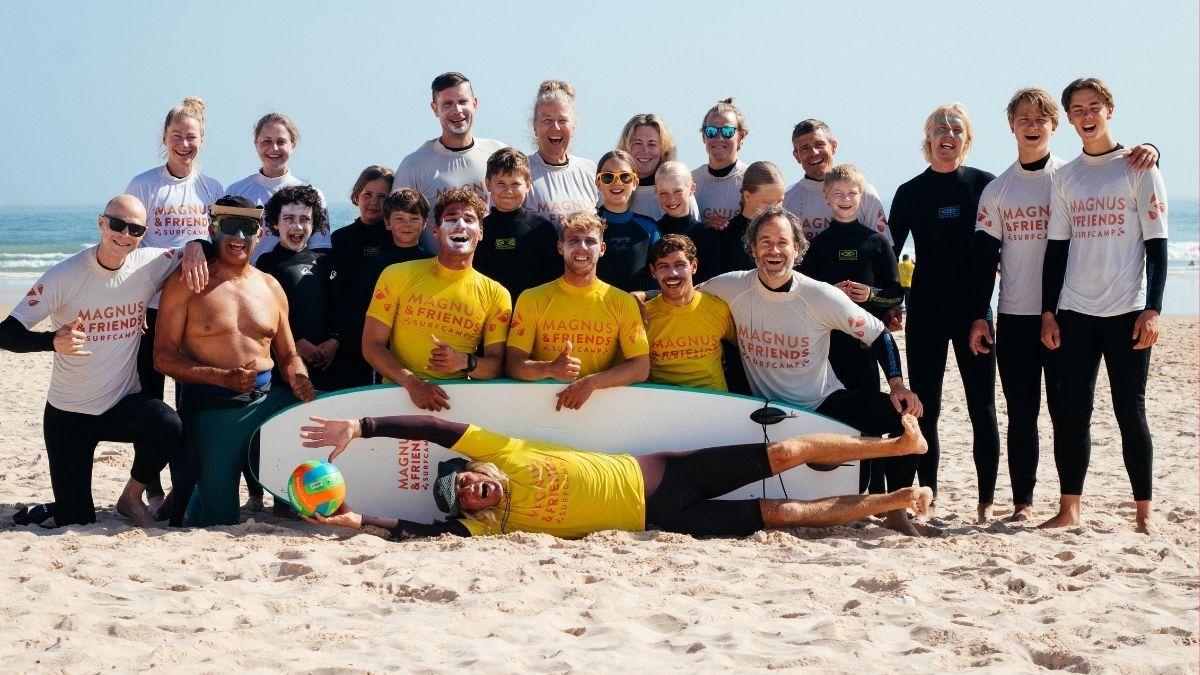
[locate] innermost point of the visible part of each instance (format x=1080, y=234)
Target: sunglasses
x=711, y=131
x=118, y=225
x=626, y=177
x=231, y=225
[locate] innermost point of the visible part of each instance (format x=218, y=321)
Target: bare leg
x=1021, y=513
x=777, y=513
x=838, y=448
x=1145, y=519
x=130, y=504
x=1068, y=512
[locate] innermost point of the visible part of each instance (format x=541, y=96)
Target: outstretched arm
x=337, y=434
x=399, y=530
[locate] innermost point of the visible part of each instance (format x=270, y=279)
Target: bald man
x=96, y=302
x=220, y=345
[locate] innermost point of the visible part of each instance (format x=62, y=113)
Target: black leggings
x=926, y=337
x=71, y=438
x=682, y=487
x=1022, y=359
x=857, y=368
x=872, y=414
x=152, y=381
x=1085, y=339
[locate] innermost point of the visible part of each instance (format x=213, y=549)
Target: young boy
x=676, y=189
x=859, y=261
x=518, y=247
x=404, y=214
x=628, y=235
x=684, y=326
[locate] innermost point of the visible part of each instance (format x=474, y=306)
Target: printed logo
x=847, y=254
x=381, y=293
x=948, y=212
x=371, y=250
x=508, y=244
x=1156, y=207
x=983, y=214
x=856, y=323
x=34, y=295
x=882, y=219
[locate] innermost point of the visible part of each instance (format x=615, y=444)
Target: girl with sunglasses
x=275, y=139
x=648, y=140
x=628, y=236
x=719, y=182
x=176, y=196
x=561, y=182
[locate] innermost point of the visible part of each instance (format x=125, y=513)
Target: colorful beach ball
x=316, y=487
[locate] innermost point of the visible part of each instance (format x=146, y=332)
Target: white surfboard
x=393, y=478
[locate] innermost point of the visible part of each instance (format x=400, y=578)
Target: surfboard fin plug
x=769, y=415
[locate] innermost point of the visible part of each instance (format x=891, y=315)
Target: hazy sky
x=86, y=86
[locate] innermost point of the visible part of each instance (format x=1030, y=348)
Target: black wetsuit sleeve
x=898, y=222
x=1054, y=272
x=15, y=337
x=1156, y=273
x=985, y=256
x=406, y=529
x=414, y=428
x=333, y=302
x=886, y=272
x=888, y=355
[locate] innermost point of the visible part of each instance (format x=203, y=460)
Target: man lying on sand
x=513, y=485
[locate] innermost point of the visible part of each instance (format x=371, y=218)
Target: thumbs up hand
x=444, y=359
x=70, y=339
x=241, y=379
x=565, y=367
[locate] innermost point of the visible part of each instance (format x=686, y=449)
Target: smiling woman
x=561, y=182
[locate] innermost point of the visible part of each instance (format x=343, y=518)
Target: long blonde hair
x=488, y=516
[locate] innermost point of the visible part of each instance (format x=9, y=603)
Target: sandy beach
x=271, y=594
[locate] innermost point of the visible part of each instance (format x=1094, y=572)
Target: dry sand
x=274, y=595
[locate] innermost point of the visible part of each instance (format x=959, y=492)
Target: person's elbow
x=640, y=372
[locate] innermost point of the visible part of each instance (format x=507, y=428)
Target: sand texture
x=273, y=595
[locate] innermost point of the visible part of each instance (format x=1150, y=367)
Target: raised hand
x=70, y=339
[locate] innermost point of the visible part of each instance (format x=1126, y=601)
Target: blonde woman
x=648, y=140
x=561, y=182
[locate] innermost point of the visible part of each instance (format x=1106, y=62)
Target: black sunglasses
x=118, y=225
x=232, y=225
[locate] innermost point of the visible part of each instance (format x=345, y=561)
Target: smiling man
x=455, y=159
x=577, y=328
x=429, y=319
x=813, y=146
x=221, y=346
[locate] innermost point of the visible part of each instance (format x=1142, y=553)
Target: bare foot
x=930, y=511
x=1068, y=512
x=1147, y=526
x=898, y=520
x=254, y=503
x=131, y=506
x=911, y=442
x=983, y=514
x=1021, y=513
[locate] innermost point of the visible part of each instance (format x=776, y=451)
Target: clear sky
x=86, y=85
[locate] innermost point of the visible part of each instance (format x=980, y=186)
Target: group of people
x=475, y=260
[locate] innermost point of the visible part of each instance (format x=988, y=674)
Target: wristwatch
x=472, y=362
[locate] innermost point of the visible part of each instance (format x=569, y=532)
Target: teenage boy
x=577, y=328
x=519, y=247
x=1102, y=284
x=455, y=159
x=405, y=212
x=429, y=318
x=684, y=326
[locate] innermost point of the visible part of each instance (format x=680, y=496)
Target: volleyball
x=317, y=488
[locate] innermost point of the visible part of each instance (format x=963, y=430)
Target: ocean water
x=32, y=238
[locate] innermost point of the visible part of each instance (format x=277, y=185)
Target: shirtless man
x=218, y=345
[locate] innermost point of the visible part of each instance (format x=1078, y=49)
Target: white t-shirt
x=1015, y=208
x=176, y=208
x=645, y=202
x=783, y=338
x=113, y=305
x=433, y=169
x=1107, y=211
x=719, y=195
x=259, y=189
x=559, y=191
x=806, y=199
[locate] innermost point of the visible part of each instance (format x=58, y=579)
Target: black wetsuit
x=307, y=280
x=853, y=252
x=353, y=246
x=349, y=366
x=939, y=210
x=519, y=249
x=706, y=239
x=734, y=257
x=628, y=238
